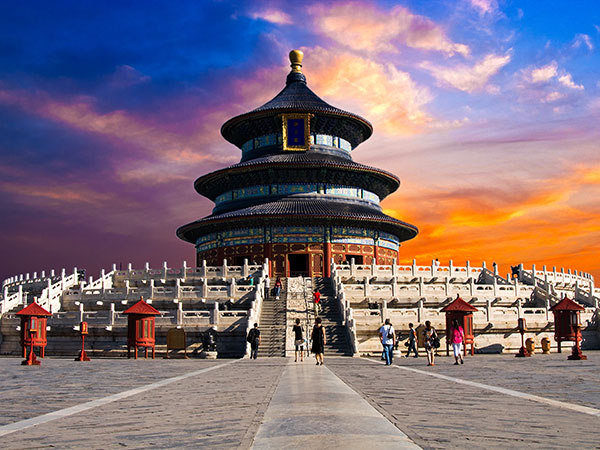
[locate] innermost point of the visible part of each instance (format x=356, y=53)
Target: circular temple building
x=297, y=197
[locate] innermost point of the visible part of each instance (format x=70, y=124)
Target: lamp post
x=522, y=351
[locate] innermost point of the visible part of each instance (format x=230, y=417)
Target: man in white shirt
x=387, y=336
x=267, y=286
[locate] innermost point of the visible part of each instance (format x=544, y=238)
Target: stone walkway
x=276, y=403
x=312, y=408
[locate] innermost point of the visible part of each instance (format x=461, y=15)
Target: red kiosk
x=567, y=325
x=33, y=332
x=463, y=312
x=140, y=327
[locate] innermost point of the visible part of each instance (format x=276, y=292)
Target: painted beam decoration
x=296, y=132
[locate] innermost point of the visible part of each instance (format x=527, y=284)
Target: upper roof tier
x=297, y=97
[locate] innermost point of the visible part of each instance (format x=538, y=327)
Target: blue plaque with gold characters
x=296, y=132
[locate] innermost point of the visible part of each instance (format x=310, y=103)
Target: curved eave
x=190, y=232
x=228, y=128
x=206, y=185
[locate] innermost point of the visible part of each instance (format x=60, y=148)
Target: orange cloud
x=386, y=95
x=363, y=26
x=551, y=222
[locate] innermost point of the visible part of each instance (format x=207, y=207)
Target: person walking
x=277, y=288
x=412, y=341
x=254, y=340
x=267, y=287
x=317, y=300
x=298, y=341
x=387, y=337
x=457, y=340
x=318, y=341
x=431, y=342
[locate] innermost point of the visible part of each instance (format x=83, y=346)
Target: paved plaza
x=493, y=401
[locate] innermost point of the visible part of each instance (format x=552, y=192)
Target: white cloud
x=469, y=78
x=553, y=96
x=567, y=80
x=272, y=15
x=544, y=73
x=583, y=39
x=484, y=6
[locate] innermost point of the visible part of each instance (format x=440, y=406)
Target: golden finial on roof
x=296, y=57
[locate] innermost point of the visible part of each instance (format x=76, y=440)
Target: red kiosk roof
x=33, y=309
x=142, y=308
x=458, y=304
x=566, y=304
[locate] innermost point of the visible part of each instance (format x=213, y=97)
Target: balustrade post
x=111, y=318
x=352, y=267
x=127, y=289
x=394, y=268
x=214, y=316
x=420, y=310
x=80, y=312
x=146, y=270
x=519, y=308
x=384, y=309
x=433, y=268
x=373, y=267
x=367, y=289
x=231, y=288
x=184, y=270
x=224, y=268
x=450, y=268
x=517, y=287
x=180, y=313
x=52, y=273
x=103, y=281
x=245, y=269
x=414, y=267
x=488, y=310
x=204, y=287
x=471, y=286
x=151, y=289
x=43, y=274
x=394, y=286
x=178, y=288
x=129, y=269
x=165, y=270
x=468, y=269
x=421, y=286
x=114, y=268
x=20, y=294
x=204, y=268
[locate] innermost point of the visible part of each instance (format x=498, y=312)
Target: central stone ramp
x=313, y=408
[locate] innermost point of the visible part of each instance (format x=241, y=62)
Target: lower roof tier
x=299, y=212
x=307, y=167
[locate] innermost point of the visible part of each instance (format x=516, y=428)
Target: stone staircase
x=335, y=331
x=272, y=324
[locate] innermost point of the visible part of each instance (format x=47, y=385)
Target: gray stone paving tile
x=217, y=409
x=438, y=414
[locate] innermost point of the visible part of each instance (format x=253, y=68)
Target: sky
x=487, y=110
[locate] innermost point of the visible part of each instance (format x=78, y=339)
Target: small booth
x=33, y=331
x=567, y=325
x=463, y=312
x=140, y=327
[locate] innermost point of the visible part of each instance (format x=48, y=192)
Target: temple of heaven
x=296, y=197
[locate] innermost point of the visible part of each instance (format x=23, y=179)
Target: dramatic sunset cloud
x=488, y=112
x=364, y=26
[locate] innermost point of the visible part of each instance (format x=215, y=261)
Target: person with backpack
x=457, y=340
x=277, y=288
x=298, y=341
x=432, y=342
x=254, y=339
x=387, y=337
x=412, y=341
